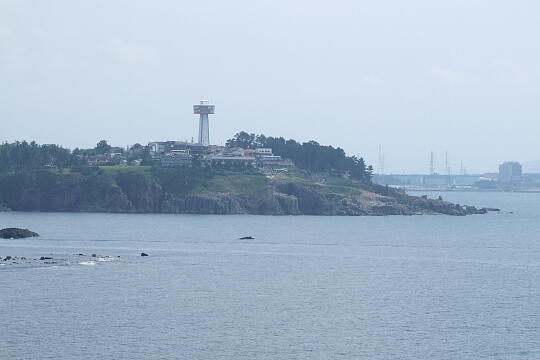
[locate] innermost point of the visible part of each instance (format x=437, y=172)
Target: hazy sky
x=411, y=76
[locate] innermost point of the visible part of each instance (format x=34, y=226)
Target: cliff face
x=144, y=192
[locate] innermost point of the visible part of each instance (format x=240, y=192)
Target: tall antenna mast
x=381, y=161
x=432, y=163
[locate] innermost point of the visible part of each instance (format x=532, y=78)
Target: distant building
x=419, y=180
x=214, y=149
x=249, y=152
x=510, y=171
x=98, y=160
x=239, y=158
x=195, y=149
x=176, y=158
x=269, y=158
x=160, y=147
x=263, y=152
x=228, y=162
x=276, y=164
x=269, y=162
x=233, y=152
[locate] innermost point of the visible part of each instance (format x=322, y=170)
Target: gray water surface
x=399, y=287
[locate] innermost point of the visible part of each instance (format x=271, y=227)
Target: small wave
x=88, y=263
x=106, y=259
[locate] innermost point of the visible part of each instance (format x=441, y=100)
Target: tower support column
x=204, y=131
x=203, y=109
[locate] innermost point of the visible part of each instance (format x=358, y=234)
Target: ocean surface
x=307, y=287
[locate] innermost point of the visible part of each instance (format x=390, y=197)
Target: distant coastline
x=468, y=190
x=196, y=191
x=252, y=174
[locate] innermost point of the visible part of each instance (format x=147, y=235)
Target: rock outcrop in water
x=16, y=233
x=181, y=191
x=52, y=260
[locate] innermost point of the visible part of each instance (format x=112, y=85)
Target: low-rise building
x=228, y=162
x=249, y=152
x=160, y=147
x=176, y=158
x=263, y=152
x=277, y=165
x=233, y=152
x=98, y=160
x=195, y=149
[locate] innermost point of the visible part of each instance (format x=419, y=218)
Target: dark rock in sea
x=7, y=258
x=471, y=210
x=94, y=255
x=16, y=233
x=144, y=254
x=45, y=258
x=492, y=209
x=247, y=238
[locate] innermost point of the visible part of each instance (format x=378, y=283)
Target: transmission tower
x=381, y=161
x=448, y=169
x=432, y=163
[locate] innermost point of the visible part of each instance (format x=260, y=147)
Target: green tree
x=243, y=140
x=309, y=156
x=102, y=147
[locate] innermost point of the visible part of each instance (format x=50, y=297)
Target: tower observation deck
x=203, y=109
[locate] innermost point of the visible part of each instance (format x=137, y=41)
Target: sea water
x=306, y=287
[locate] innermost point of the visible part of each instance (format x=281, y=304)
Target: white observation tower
x=203, y=109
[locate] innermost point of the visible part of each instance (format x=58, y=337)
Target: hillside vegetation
x=49, y=178
x=203, y=191
x=310, y=156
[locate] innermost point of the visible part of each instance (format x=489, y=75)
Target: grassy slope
x=244, y=184
x=326, y=184
x=229, y=182
x=122, y=169
x=219, y=182
x=235, y=183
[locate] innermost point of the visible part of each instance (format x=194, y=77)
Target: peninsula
x=251, y=175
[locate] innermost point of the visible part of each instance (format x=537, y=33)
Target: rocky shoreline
x=292, y=199
x=56, y=260
x=141, y=192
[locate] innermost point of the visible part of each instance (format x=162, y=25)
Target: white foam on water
x=107, y=259
x=90, y=263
